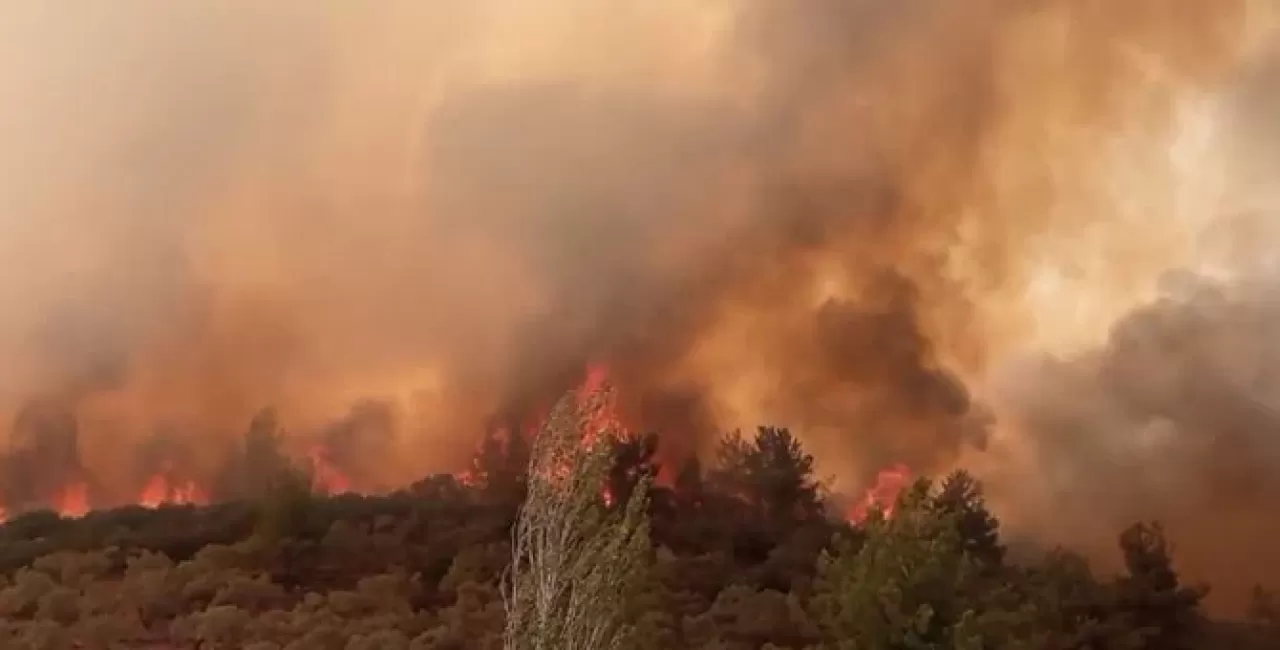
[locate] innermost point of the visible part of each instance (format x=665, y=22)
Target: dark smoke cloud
x=403, y=223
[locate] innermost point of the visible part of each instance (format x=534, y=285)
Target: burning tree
x=575, y=561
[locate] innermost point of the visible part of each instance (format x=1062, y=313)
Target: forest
x=742, y=552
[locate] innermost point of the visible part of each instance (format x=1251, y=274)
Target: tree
x=690, y=490
x=913, y=584
x=575, y=563
x=500, y=466
x=253, y=468
x=771, y=473
x=961, y=495
x=900, y=588
x=1151, y=593
x=632, y=465
x=284, y=509
x=1070, y=609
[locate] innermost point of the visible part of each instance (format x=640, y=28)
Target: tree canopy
x=739, y=553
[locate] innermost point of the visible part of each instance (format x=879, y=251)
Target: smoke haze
x=400, y=223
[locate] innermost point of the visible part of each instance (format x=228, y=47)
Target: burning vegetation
x=246, y=472
x=913, y=236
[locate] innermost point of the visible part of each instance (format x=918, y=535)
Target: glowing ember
x=325, y=477
x=890, y=482
x=72, y=500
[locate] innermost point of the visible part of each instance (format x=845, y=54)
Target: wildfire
x=160, y=490
x=327, y=478
x=72, y=500
x=601, y=417
x=166, y=487
x=598, y=409
x=890, y=482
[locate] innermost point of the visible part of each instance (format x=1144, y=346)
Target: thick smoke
x=1176, y=415
x=400, y=223
x=1175, y=418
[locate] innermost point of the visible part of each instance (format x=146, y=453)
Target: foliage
x=736, y=559
x=285, y=507
x=632, y=466
x=771, y=473
x=1167, y=611
x=499, y=469
x=910, y=584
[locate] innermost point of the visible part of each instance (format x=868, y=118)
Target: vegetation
x=575, y=566
x=740, y=555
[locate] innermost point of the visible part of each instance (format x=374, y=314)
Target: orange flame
x=160, y=490
x=601, y=418
x=890, y=482
x=72, y=500
x=326, y=477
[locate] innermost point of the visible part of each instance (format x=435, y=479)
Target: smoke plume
x=401, y=223
x=1175, y=415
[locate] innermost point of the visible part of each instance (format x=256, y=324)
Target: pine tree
x=904, y=587
x=961, y=495
x=284, y=508
x=1151, y=593
x=771, y=473
x=690, y=489
x=499, y=468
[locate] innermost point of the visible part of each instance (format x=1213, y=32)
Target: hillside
x=745, y=555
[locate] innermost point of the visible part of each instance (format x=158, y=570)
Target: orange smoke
x=405, y=224
x=824, y=216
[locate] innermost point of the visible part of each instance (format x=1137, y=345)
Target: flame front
x=600, y=406
x=161, y=490
x=72, y=500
